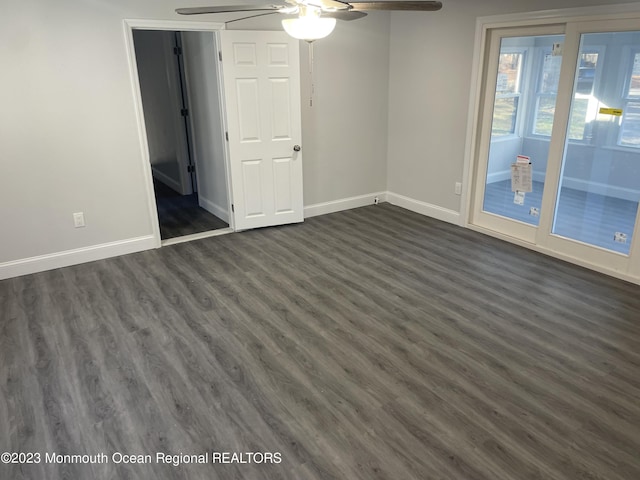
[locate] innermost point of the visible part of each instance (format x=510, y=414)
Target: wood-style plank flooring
x=180, y=215
x=367, y=344
x=584, y=216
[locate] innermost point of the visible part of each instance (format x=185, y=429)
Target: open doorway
x=181, y=104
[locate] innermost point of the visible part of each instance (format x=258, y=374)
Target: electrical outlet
x=534, y=211
x=78, y=219
x=376, y=200
x=458, y=188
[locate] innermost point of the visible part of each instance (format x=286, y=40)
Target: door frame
x=171, y=25
x=476, y=110
x=513, y=228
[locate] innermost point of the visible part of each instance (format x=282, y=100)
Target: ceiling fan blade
x=398, y=5
x=251, y=16
x=345, y=15
x=228, y=9
x=327, y=5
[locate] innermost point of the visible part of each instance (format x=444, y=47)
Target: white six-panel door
x=261, y=76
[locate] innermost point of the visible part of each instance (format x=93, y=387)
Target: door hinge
x=177, y=50
x=220, y=54
x=226, y=135
x=184, y=112
x=233, y=208
x=191, y=168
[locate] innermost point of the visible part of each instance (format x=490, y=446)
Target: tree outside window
x=508, y=90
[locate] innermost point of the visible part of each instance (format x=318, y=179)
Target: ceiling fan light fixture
x=309, y=25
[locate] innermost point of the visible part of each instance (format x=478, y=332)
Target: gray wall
x=69, y=134
x=429, y=87
x=69, y=137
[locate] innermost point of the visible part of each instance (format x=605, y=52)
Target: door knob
x=296, y=148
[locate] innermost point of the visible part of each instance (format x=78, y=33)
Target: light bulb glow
x=309, y=25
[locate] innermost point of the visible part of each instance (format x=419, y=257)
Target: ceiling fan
x=313, y=19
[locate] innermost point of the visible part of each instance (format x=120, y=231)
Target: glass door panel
x=599, y=189
x=523, y=114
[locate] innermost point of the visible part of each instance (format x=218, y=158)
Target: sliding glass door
x=521, y=90
x=597, y=201
x=558, y=157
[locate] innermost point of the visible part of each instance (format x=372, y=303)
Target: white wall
x=430, y=83
x=69, y=137
x=201, y=65
x=502, y=154
x=344, y=134
x=157, y=86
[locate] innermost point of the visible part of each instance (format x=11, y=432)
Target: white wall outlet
x=78, y=219
x=534, y=211
x=458, y=188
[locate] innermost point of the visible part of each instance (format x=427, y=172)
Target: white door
x=261, y=74
x=205, y=113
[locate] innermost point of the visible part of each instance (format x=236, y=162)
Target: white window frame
x=626, y=99
x=592, y=97
x=540, y=54
x=520, y=87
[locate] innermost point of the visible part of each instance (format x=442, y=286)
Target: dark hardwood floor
x=180, y=215
x=368, y=344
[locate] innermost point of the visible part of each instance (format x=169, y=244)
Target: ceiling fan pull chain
x=313, y=87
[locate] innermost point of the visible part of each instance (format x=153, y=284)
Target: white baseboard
x=499, y=176
x=506, y=175
x=423, y=208
x=576, y=184
x=214, y=208
x=343, y=204
x=601, y=189
x=167, y=180
x=67, y=258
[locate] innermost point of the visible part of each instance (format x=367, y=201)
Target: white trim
x=601, y=189
x=142, y=132
x=67, y=258
x=343, y=204
x=196, y=236
x=503, y=175
x=214, y=209
x=174, y=25
x=472, y=131
x=498, y=176
x=423, y=208
x=128, y=26
x=552, y=253
x=167, y=180
x=417, y=206
x=562, y=15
